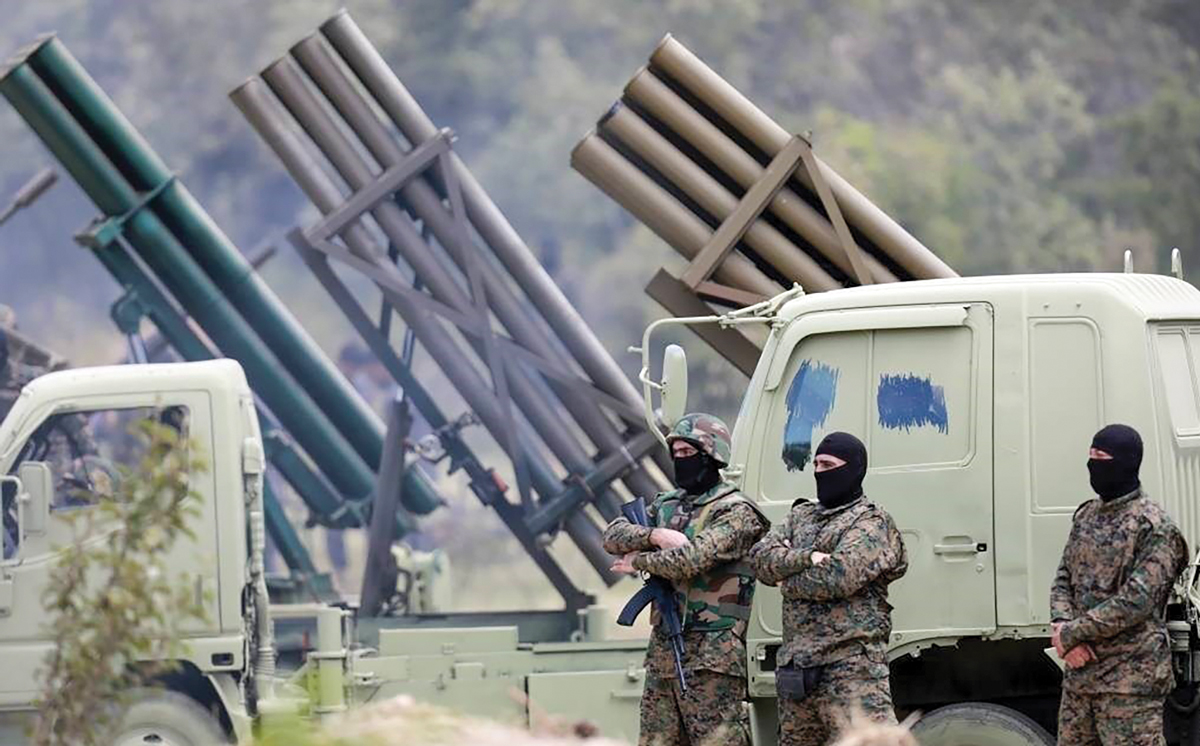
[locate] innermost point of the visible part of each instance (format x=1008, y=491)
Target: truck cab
x=977, y=399
x=70, y=430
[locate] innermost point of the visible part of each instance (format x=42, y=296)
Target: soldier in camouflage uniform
x=833, y=559
x=703, y=531
x=1108, y=601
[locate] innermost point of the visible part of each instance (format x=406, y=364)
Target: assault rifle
x=658, y=591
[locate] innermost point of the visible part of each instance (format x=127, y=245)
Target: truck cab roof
x=1153, y=297
x=223, y=379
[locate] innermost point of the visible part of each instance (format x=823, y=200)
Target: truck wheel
x=979, y=724
x=166, y=718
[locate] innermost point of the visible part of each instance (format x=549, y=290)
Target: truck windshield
x=88, y=453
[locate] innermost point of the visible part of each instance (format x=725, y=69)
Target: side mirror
x=674, y=385
x=37, y=491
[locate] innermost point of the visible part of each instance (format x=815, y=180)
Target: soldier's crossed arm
x=728, y=536
x=773, y=558
x=867, y=551
x=1139, y=597
x=622, y=537
x=1062, y=606
x=1062, y=593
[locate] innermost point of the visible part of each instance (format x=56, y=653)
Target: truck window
x=922, y=394
x=1175, y=362
x=1065, y=407
x=906, y=392
x=87, y=452
x=823, y=389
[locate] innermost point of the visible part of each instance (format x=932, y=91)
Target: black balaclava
x=1112, y=478
x=697, y=473
x=836, y=487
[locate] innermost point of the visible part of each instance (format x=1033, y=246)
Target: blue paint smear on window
x=907, y=401
x=809, y=401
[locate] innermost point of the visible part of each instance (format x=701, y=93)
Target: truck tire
x=979, y=724
x=166, y=718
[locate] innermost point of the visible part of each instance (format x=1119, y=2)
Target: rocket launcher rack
x=164, y=249
x=414, y=221
x=748, y=204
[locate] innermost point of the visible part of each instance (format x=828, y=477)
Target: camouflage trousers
x=711, y=713
x=855, y=684
x=1110, y=719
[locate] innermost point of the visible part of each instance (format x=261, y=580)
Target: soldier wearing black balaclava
x=1108, y=603
x=697, y=539
x=833, y=560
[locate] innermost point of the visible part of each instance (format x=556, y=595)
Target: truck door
x=88, y=450
x=914, y=384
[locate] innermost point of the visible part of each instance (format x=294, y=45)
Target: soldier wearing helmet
x=702, y=532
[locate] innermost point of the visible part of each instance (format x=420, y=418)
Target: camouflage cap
x=706, y=432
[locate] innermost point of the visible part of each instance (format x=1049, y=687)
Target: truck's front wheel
x=980, y=724
x=166, y=718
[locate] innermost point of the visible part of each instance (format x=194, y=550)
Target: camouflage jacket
x=838, y=608
x=713, y=583
x=1118, y=567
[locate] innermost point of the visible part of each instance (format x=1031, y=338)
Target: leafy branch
x=117, y=610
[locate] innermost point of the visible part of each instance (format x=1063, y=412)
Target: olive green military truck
x=228, y=674
x=977, y=399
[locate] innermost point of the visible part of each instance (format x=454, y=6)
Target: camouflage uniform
x=715, y=589
x=835, y=615
x=1118, y=567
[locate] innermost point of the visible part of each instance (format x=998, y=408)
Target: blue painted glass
x=809, y=402
x=906, y=401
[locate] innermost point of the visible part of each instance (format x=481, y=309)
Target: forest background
x=1031, y=135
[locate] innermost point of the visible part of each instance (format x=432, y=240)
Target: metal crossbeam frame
x=482, y=480
x=503, y=356
x=687, y=294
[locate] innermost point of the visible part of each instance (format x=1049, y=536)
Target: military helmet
x=706, y=432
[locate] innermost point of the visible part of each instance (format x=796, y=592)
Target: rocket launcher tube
x=284, y=78
x=318, y=61
x=622, y=123
x=601, y=164
x=665, y=105
x=684, y=67
x=269, y=120
x=404, y=111
x=208, y=246
x=164, y=255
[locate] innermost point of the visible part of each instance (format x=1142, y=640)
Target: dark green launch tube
x=167, y=258
x=210, y=248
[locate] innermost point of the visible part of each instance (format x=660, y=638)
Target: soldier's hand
x=1056, y=639
x=665, y=538
x=818, y=557
x=625, y=565
x=1079, y=656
